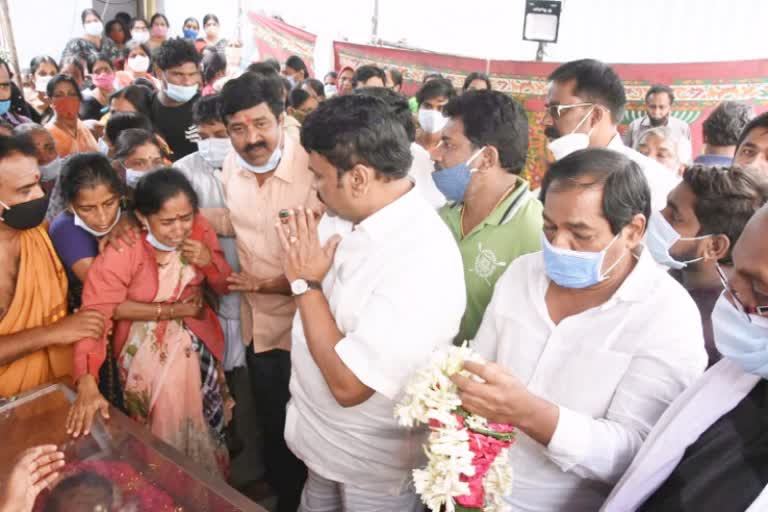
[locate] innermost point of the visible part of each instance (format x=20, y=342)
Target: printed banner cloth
x=276, y=39
x=698, y=87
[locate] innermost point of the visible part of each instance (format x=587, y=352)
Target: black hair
x=262, y=68
x=397, y=105
x=760, y=121
x=724, y=125
x=209, y=17
x=137, y=95
x=295, y=62
x=249, y=90
x=434, y=89
x=155, y=188
x=111, y=23
x=132, y=45
x=491, y=118
x=213, y=63
x=38, y=61
x=431, y=76
x=358, y=129
x=476, y=75
x=24, y=130
x=625, y=189
x=726, y=198
x=79, y=64
x=19, y=105
x=137, y=19
x=132, y=138
x=396, y=75
x=297, y=97
x=660, y=88
x=86, y=170
x=61, y=77
x=207, y=109
x=595, y=81
x=12, y=145
x=122, y=121
x=88, y=479
x=123, y=17
x=316, y=85
x=365, y=73
x=102, y=57
x=175, y=52
x=273, y=63
x=85, y=14
x=331, y=74
x=155, y=17
x=191, y=18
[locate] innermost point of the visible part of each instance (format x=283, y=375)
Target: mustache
x=552, y=133
x=251, y=147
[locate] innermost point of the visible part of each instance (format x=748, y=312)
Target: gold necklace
x=503, y=198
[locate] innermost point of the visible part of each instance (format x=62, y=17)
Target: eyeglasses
x=747, y=311
x=556, y=110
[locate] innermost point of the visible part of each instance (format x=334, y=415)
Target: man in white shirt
x=589, y=340
x=371, y=309
x=585, y=104
x=707, y=452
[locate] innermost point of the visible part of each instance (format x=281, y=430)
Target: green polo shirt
x=511, y=230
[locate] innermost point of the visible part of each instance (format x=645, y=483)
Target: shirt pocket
x=583, y=381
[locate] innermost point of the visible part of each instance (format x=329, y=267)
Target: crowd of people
x=252, y=263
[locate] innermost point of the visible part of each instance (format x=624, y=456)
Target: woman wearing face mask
x=92, y=43
x=68, y=131
x=167, y=340
x=139, y=30
x=95, y=100
x=119, y=34
x=432, y=97
x=42, y=69
x=191, y=29
x=13, y=109
x=137, y=153
x=138, y=64
x=158, y=31
x=212, y=37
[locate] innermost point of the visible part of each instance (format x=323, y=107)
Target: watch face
x=299, y=286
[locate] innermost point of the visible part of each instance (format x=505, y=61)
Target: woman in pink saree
x=167, y=340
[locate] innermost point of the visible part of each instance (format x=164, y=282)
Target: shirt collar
x=502, y=211
x=392, y=217
x=639, y=284
x=616, y=144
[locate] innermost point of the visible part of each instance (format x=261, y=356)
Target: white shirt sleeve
x=602, y=448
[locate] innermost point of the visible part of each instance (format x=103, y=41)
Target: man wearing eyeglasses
x=695, y=233
x=707, y=452
x=585, y=104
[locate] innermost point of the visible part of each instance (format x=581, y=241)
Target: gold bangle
x=171, y=316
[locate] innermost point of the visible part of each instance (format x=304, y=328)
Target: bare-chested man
x=35, y=331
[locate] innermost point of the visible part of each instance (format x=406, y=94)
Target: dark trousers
x=270, y=373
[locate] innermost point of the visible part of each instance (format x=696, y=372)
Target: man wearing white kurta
x=707, y=452
x=589, y=340
x=372, y=306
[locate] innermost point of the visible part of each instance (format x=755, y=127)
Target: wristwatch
x=302, y=286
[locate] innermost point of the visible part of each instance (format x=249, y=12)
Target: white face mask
x=157, y=244
x=132, y=177
x=82, y=225
x=94, y=28
x=41, y=84
x=140, y=36
x=139, y=63
x=272, y=163
x=103, y=146
x=660, y=238
x=572, y=142
x=50, y=171
x=431, y=121
x=330, y=90
x=214, y=150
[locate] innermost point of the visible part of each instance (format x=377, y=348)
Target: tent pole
x=7, y=30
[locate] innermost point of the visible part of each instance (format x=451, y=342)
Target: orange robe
x=40, y=300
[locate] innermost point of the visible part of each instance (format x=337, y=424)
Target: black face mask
x=25, y=215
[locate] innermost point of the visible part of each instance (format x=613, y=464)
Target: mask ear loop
x=605, y=275
x=474, y=169
x=584, y=119
x=5, y=209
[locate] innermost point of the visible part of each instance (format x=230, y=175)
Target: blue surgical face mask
x=741, y=340
x=452, y=182
x=214, y=150
x=575, y=269
x=272, y=163
x=132, y=177
x=157, y=244
x=5, y=106
x=190, y=34
x=181, y=93
x=660, y=239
